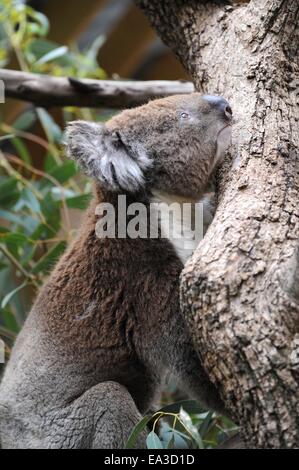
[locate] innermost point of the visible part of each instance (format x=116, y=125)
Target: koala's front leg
x=102, y=418
x=185, y=364
x=195, y=381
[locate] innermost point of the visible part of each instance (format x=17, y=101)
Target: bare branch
x=47, y=91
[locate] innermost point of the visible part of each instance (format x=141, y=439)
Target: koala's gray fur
x=106, y=328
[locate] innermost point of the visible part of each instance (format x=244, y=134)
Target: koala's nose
x=221, y=104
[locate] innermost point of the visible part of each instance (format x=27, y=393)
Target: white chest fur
x=182, y=222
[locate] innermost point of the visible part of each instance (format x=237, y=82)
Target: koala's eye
x=185, y=115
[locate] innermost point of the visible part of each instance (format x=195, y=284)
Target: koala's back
x=97, y=319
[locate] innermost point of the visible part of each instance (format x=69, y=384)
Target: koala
x=106, y=329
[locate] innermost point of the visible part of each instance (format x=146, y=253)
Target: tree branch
x=47, y=91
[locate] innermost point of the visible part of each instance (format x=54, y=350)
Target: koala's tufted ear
x=105, y=157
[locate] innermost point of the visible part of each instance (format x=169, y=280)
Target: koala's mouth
x=223, y=140
x=226, y=128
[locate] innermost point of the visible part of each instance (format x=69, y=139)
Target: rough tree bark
x=239, y=292
x=48, y=91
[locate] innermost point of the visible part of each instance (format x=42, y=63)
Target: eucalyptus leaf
x=9, y=321
x=52, y=55
x=7, y=185
x=50, y=163
x=16, y=219
x=30, y=200
x=41, y=22
x=93, y=50
x=153, y=441
x=8, y=192
x=206, y=423
x=138, y=429
x=53, y=130
x=26, y=120
x=64, y=172
x=11, y=294
x=22, y=150
x=39, y=48
x=178, y=441
x=78, y=202
x=59, y=193
x=187, y=422
x=14, y=238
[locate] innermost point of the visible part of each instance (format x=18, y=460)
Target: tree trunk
x=240, y=290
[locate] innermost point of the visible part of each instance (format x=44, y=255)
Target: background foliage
x=38, y=200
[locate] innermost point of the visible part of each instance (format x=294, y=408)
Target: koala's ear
x=105, y=157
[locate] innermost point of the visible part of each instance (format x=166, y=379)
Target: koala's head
x=170, y=145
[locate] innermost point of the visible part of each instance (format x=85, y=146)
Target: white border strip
x=2, y=91
x=2, y=351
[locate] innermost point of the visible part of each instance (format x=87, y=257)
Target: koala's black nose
x=221, y=104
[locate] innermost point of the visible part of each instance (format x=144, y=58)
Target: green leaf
x=50, y=163
x=169, y=444
x=2, y=265
x=59, y=193
x=13, y=218
x=52, y=55
x=93, y=50
x=14, y=238
x=187, y=422
x=64, y=172
x=11, y=294
x=41, y=232
x=29, y=200
x=51, y=211
x=7, y=185
x=136, y=431
x=25, y=120
x=190, y=406
x=73, y=201
x=22, y=150
x=9, y=321
x=8, y=191
x=49, y=259
x=171, y=438
x=29, y=223
x=176, y=441
x=79, y=202
x=7, y=333
x=8, y=283
x=153, y=441
x=41, y=23
x=205, y=425
x=53, y=130
x=41, y=47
